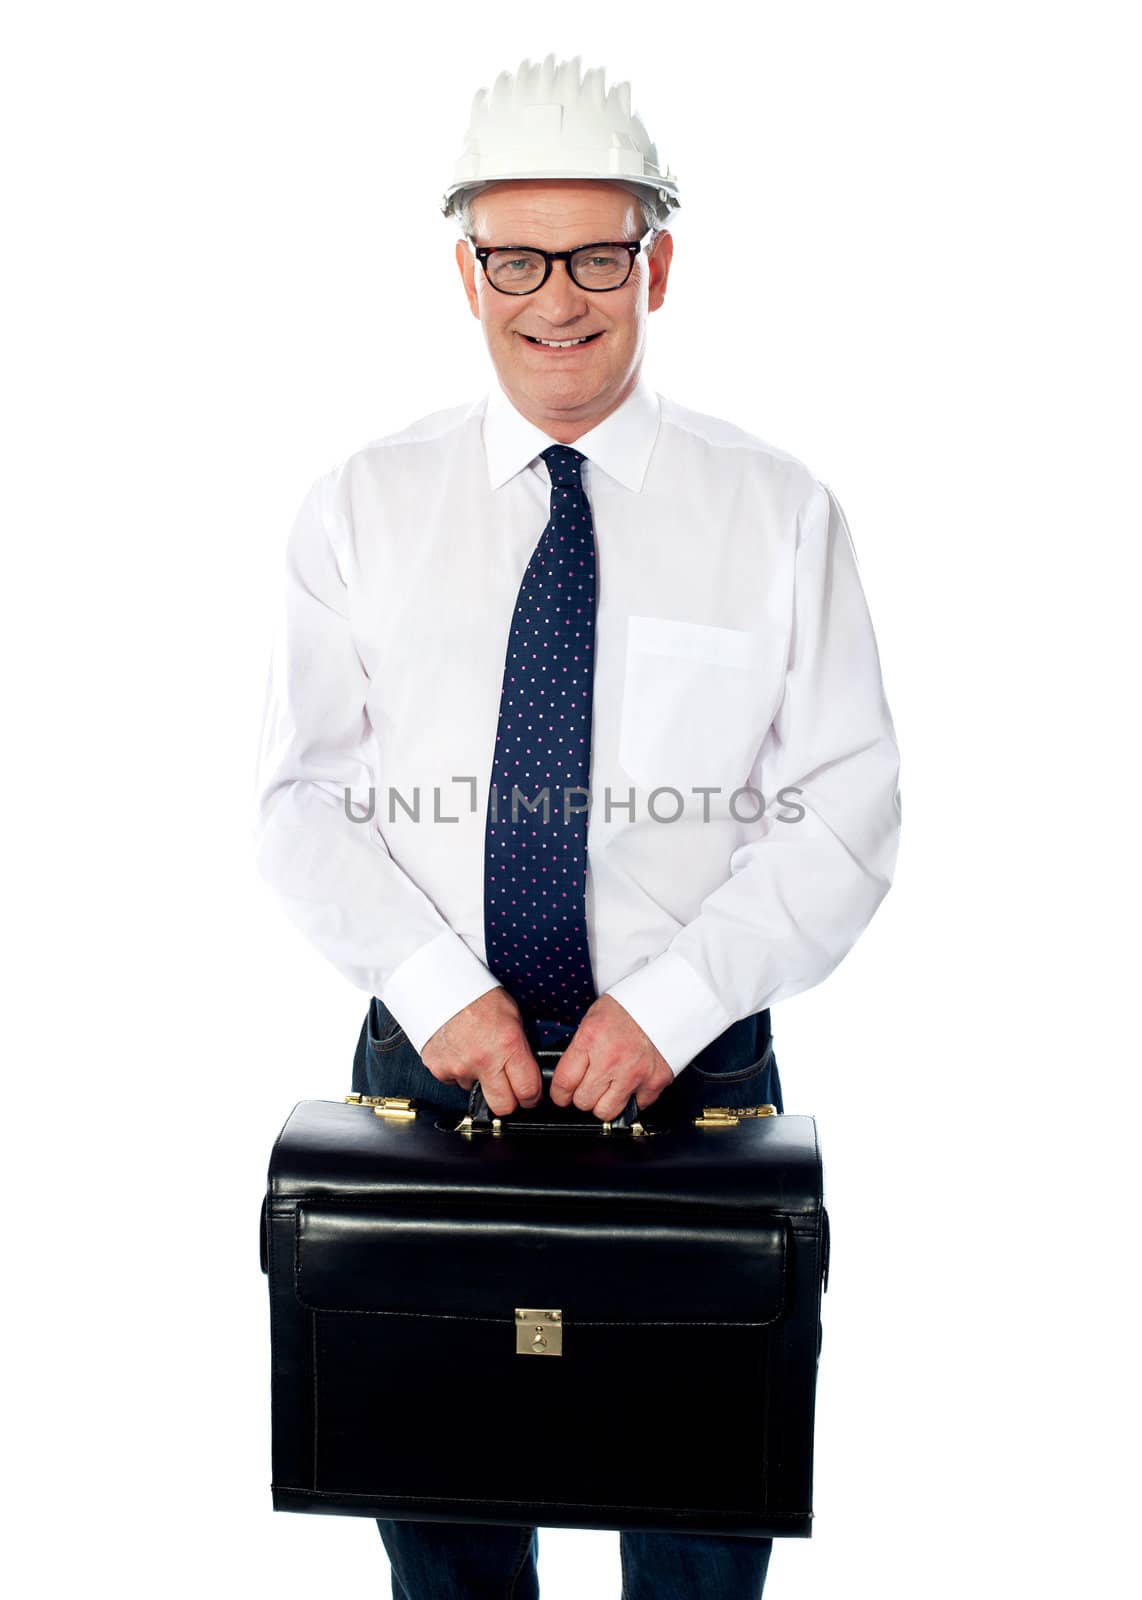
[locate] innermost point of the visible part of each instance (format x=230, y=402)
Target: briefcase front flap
x=594, y=1267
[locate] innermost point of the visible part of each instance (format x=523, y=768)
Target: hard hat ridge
x=552, y=120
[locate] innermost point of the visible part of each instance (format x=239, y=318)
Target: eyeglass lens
x=595, y=267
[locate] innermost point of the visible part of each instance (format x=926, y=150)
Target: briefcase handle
x=547, y=1117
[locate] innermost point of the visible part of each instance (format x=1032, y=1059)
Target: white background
x=906, y=255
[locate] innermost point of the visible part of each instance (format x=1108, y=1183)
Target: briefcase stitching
x=270, y=1280
x=651, y=1210
x=589, y=1506
x=313, y=1367
x=568, y=1322
x=583, y=1322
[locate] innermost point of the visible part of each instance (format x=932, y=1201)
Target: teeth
x=560, y=344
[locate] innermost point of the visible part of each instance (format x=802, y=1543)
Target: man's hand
x=608, y=1060
x=486, y=1041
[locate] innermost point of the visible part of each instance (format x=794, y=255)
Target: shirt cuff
x=433, y=984
x=673, y=1006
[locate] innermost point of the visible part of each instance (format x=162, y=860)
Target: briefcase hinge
x=730, y=1116
x=398, y=1108
x=538, y=1332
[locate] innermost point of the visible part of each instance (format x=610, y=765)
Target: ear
x=662, y=253
x=466, y=261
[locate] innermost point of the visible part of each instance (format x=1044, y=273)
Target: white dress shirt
x=734, y=652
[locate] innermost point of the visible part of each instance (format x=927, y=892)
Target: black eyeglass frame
x=483, y=251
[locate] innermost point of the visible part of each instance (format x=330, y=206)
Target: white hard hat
x=546, y=122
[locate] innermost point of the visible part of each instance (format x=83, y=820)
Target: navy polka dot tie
x=535, y=860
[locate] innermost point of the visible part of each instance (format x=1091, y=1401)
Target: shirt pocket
x=693, y=700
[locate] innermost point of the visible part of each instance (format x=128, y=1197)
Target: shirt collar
x=620, y=445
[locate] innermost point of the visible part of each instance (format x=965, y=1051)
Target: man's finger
x=516, y=1081
x=569, y=1074
x=611, y=1101
x=525, y=1079
x=498, y=1092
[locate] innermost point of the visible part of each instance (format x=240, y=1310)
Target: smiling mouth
x=562, y=344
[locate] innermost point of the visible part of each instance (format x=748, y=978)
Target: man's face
x=563, y=391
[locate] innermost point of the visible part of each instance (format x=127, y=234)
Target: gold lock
x=396, y=1107
x=538, y=1332
x=730, y=1116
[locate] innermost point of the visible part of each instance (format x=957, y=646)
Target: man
x=576, y=739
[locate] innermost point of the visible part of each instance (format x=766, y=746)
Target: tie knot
x=563, y=462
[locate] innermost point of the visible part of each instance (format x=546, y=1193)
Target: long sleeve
x=799, y=894
x=334, y=876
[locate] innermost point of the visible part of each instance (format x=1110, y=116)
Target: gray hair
x=647, y=208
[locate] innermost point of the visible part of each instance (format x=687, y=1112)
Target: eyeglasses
x=518, y=269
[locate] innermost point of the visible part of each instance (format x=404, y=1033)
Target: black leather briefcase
x=544, y=1318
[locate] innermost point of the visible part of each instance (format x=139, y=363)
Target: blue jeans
x=468, y=1561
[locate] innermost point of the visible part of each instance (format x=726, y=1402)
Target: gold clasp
x=538, y=1332
x=730, y=1116
x=397, y=1107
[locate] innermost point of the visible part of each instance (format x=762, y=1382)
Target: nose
x=560, y=299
